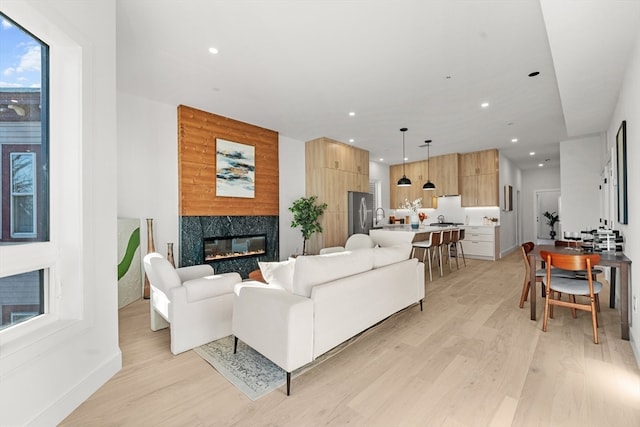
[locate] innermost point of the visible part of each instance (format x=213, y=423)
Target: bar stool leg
x=439, y=248
x=464, y=261
x=427, y=254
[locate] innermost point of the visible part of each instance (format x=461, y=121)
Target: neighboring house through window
x=24, y=165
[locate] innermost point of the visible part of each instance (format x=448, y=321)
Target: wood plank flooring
x=471, y=358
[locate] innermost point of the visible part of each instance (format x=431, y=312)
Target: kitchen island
x=390, y=235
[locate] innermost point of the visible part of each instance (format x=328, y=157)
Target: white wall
x=46, y=374
x=534, y=180
x=628, y=108
x=580, y=166
x=148, y=168
x=292, y=186
x=380, y=172
x=509, y=175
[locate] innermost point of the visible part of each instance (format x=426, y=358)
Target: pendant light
x=404, y=181
x=428, y=185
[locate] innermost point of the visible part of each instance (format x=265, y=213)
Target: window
x=24, y=216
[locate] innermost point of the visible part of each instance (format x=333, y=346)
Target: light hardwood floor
x=471, y=358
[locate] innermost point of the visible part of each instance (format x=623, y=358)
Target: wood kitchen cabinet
x=443, y=172
x=328, y=153
x=478, y=181
x=332, y=170
x=415, y=171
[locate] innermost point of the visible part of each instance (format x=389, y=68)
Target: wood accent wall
x=197, y=133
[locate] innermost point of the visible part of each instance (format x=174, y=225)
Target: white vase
x=415, y=221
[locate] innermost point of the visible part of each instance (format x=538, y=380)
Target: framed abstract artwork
x=621, y=149
x=235, y=169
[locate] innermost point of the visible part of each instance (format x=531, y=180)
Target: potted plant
x=552, y=218
x=305, y=215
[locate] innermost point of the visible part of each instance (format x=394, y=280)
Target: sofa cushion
x=390, y=255
x=278, y=273
x=311, y=270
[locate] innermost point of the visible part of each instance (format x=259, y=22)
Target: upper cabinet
x=443, y=172
x=478, y=182
x=472, y=175
x=328, y=153
x=416, y=172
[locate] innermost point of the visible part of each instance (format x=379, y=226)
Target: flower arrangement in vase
x=414, y=207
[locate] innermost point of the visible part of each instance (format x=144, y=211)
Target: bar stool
x=444, y=244
x=426, y=246
x=453, y=245
x=436, y=243
x=460, y=239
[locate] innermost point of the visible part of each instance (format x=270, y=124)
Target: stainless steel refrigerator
x=360, y=212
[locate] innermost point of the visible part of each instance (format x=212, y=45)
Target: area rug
x=250, y=371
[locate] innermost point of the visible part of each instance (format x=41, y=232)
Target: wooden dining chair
x=572, y=286
x=526, y=248
x=580, y=274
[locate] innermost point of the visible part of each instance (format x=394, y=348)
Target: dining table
x=614, y=260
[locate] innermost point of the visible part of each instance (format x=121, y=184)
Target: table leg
x=624, y=300
x=532, y=285
x=612, y=288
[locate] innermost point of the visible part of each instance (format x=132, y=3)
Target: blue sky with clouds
x=19, y=57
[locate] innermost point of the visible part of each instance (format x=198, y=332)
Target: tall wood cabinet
x=332, y=170
x=479, y=177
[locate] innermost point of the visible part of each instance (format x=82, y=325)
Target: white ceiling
x=300, y=66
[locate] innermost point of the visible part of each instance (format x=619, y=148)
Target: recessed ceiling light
x=213, y=50
x=352, y=113
x=533, y=153
x=406, y=159
x=484, y=104
x=540, y=165
x=381, y=159
x=535, y=73
x=351, y=140
x=514, y=140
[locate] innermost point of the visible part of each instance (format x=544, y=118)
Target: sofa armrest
x=275, y=323
x=210, y=286
x=194, y=272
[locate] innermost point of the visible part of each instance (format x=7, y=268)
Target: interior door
x=546, y=200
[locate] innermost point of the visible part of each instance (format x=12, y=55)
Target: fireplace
x=195, y=230
x=231, y=247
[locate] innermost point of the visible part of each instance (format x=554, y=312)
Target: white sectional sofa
x=314, y=303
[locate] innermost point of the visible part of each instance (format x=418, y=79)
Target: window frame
x=61, y=255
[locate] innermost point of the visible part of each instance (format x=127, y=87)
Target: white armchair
x=194, y=302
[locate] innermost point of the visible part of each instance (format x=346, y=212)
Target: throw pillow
x=278, y=273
